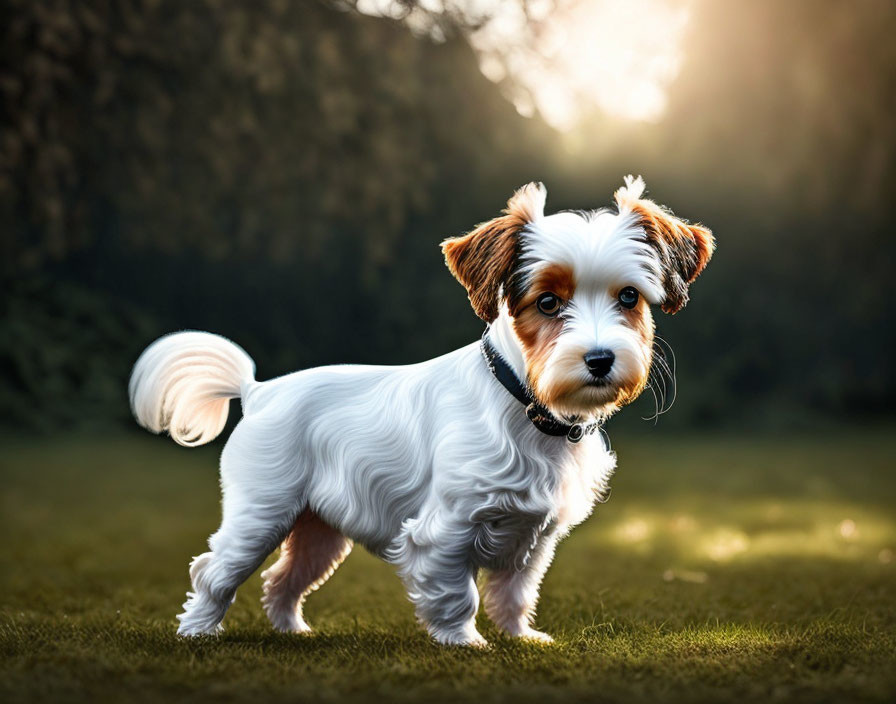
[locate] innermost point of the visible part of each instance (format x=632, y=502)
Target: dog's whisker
x=662, y=369
x=657, y=394
x=656, y=403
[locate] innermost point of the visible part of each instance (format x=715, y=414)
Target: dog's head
x=576, y=290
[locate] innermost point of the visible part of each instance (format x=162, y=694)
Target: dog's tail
x=183, y=383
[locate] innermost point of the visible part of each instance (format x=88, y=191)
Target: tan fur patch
x=640, y=320
x=537, y=332
x=684, y=249
x=674, y=231
x=553, y=278
x=570, y=396
x=483, y=259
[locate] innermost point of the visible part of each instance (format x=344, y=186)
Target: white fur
x=182, y=383
x=606, y=252
x=432, y=466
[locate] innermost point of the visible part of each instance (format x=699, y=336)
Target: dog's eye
x=628, y=297
x=548, y=304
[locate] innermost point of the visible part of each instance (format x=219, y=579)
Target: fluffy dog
x=482, y=459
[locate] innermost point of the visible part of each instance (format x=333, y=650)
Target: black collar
x=540, y=416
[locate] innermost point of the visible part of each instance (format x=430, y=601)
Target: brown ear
x=482, y=260
x=684, y=250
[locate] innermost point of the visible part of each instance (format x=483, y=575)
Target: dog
x=481, y=459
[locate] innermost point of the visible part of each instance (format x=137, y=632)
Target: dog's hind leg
x=310, y=554
x=257, y=513
x=241, y=544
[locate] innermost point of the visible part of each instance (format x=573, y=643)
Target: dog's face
x=577, y=288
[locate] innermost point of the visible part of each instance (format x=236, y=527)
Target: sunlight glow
x=615, y=55
x=848, y=529
x=565, y=58
x=692, y=576
x=725, y=543
x=633, y=531
x=757, y=531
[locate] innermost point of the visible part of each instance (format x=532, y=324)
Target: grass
x=722, y=568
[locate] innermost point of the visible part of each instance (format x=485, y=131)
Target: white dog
x=483, y=458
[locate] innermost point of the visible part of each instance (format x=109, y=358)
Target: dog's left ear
x=683, y=249
x=482, y=260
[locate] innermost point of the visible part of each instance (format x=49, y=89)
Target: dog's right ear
x=483, y=259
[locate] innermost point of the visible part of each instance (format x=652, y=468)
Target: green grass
x=721, y=568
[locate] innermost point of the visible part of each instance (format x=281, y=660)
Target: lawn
x=723, y=567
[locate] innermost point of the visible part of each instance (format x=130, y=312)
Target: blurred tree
x=207, y=160
x=282, y=173
x=784, y=111
x=224, y=128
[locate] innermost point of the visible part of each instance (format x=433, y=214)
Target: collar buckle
x=576, y=432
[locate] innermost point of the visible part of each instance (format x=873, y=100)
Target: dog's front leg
x=511, y=595
x=433, y=557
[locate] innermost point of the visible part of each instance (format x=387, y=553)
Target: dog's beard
x=588, y=400
x=567, y=389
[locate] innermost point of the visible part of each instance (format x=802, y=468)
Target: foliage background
x=281, y=173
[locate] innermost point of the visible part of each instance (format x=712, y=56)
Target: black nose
x=599, y=362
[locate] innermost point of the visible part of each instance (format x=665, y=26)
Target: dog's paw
x=530, y=634
x=477, y=642
x=292, y=626
x=200, y=618
x=285, y=620
x=189, y=631
x=468, y=637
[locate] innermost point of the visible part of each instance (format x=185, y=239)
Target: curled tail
x=183, y=383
